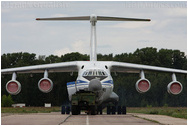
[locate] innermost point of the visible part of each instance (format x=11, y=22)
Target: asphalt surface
x=56, y=118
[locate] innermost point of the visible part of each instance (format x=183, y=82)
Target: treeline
x=124, y=83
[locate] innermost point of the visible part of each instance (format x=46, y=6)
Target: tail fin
x=93, y=19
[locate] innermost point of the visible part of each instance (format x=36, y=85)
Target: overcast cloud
x=20, y=32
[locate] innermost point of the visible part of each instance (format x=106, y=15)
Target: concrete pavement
x=55, y=118
x=166, y=120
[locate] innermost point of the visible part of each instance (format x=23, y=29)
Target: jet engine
x=143, y=84
x=174, y=87
x=13, y=87
x=45, y=84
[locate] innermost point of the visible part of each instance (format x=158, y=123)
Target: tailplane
x=93, y=20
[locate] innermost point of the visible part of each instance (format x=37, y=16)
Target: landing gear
x=62, y=109
x=75, y=110
x=99, y=110
x=108, y=110
x=65, y=109
x=93, y=110
x=124, y=110
x=119, y=110
x=113, y=109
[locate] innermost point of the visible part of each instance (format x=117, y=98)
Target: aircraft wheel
x=79, y=111
x=108, y=110
x=93, y=110
x=68, y=110
x=119, y=110
x=62, y=109
x=124, y=110
x=74, y=110
x=113, y=110
x=99, y=110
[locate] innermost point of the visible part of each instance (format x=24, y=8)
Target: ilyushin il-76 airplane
x=93, y=76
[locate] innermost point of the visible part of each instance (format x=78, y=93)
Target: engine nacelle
x=45, y=85
x=174, y=87
x=13, y=87
x=143, y=85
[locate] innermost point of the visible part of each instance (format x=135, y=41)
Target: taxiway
x=55, y=118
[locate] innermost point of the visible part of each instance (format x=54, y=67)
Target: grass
x=178, y=112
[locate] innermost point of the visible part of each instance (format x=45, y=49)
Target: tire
x=62, y=109
x=108, y=110
x=67, y=110
x=74, y=110
x=78, y=110
x=124, y=110
x=119, y=110
x=113, y=110
x=100, y=110
x=93, y=110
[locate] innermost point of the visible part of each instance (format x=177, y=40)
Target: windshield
x=95, y=73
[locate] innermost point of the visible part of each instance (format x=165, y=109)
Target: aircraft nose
x=95, y=85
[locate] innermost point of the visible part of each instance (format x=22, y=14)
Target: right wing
x=55, y=67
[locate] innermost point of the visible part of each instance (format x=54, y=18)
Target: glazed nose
x=95, y=85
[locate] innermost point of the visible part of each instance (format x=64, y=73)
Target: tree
x=6, y=101
x=124, y=83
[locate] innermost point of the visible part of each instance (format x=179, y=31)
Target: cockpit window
x=90, y=73
x=95, y=73
x=100, y=73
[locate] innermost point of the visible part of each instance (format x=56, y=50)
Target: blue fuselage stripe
x=81, y=83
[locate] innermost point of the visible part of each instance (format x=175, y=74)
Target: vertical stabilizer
x=93, y=41
x=93, y=20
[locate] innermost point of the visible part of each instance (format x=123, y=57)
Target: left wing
x=136, y=68
x=55, y=67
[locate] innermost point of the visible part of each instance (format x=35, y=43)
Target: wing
x=135, y=68
x=55, y=67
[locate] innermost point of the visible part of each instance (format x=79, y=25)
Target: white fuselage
x=89, y=70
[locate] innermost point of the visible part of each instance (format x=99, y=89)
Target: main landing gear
x=93, y=110
x=65, y=109
x=116, y=110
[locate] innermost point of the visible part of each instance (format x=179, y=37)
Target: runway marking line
x=87, y=120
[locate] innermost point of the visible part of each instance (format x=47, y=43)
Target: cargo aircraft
x=93, y=75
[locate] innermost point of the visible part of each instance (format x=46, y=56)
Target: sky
x=20, y=32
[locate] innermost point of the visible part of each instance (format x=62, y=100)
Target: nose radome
x=95, y=85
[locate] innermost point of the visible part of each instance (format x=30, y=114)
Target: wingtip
x=37, y=18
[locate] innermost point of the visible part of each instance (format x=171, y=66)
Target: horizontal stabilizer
x=66, y=18
x=99, y=18
x=102, y=18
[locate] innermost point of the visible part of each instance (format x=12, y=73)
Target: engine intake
x=45, y=85
x=143, y=84
x=13, y=87
x=174, y=87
